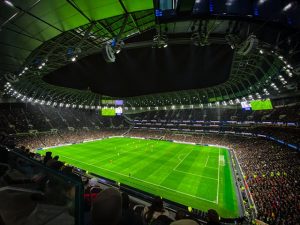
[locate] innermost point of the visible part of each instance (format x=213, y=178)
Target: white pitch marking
x=206, y=161
x=182, y=160
x=218, y=178
x=195, y=175
x=147, y=182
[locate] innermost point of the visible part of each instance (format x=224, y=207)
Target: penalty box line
x=193, y=174
x=197, y=175
x=143, y=181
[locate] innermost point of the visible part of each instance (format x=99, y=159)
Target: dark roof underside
x=146, y=70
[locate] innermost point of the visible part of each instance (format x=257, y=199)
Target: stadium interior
x=149, y=112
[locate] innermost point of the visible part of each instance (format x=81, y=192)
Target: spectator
x=107, y=208
x=162, y=220
x=128, y=215
x=212, y=217
x=155, y=210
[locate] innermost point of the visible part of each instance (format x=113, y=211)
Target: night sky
x=143, y=71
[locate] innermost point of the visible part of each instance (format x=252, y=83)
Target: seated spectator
x=212, y=217
x=155, y=210
x=128, y=215
x=180, y=214
x=47, y=157
x=93, y=182
x=107, y=208
x=162, y=220
x=54, y=206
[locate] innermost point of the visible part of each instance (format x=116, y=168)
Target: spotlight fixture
x=289, y=6
x=159, y=41
x=232, y=40
x=109, y=53
x=42, y=64
x=199, y=39
x=111, y=49
x=9, y=3
x=73, y=53
x=74, y=58
x=248, y=45
x=118, y=46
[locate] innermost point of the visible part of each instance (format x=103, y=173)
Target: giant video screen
x=108, y=112
x=261, y=104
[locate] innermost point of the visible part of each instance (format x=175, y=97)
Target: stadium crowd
x=22, y=118
x=47, y=139
x=43, y=198
x=271, y=171
x=280, y=114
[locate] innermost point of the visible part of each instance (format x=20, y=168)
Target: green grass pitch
x=193, y=175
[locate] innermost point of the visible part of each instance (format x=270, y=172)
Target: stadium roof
x=39, y=37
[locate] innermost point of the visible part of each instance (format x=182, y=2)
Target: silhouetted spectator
x=162, y=220
x=155, y=210
x=212, y=217
x=128, y=215
x=48, y=156
x=180, y=214
x=107, y=208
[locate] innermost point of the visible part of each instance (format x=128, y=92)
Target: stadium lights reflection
x=288, y=6
x=23, y=71
x=260, y=2
x=74, y=58
x=9, y=3
x=159, y=41
x=258, y=95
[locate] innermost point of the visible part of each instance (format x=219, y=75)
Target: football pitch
x=192, y=175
